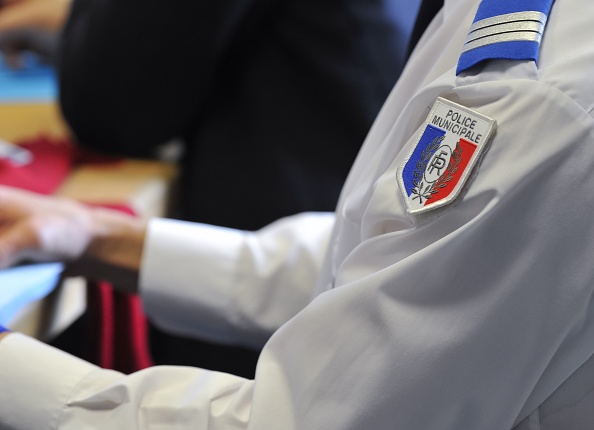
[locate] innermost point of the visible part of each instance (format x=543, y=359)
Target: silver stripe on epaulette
x=512, y=27
x=520, y=26
x=522, y=36
x=510, y=17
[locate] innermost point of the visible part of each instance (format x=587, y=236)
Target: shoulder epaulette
x=505, y=29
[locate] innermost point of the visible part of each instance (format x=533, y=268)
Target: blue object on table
x=22, y=285
x=33, y=82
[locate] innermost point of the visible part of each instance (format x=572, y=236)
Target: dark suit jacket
x=273, y=98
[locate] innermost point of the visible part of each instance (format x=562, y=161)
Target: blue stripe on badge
x=505, y=29
x=416, y=164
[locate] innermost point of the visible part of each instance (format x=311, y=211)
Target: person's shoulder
x=567, y=51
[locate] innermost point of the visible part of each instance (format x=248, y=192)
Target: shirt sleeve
x=36, y=383
x=46, y=389
x=228, y=285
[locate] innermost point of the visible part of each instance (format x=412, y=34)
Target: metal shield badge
x=449, y=146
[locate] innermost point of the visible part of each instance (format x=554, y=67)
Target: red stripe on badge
x=447, y=182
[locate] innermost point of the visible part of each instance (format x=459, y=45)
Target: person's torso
x=371, y=203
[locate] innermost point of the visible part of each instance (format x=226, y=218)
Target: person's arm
x=67, y=391
x=44, y=388
x=197, y=279
x=229, y=285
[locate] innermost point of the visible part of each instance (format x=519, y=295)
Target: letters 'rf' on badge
x=447, y=150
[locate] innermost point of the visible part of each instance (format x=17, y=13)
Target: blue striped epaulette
x=505, y=29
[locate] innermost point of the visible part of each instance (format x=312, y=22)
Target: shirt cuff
x=36, y=382
x=187, y=277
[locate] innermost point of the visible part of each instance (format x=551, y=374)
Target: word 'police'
x=459, y=124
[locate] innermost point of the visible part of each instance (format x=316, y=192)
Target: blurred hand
x=31, y=25
x=14, y=43
x=47, y=15
x=41, y=228
x=98, y=243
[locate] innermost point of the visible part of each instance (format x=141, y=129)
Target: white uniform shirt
x=477, y=315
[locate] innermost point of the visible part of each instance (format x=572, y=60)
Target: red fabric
x=118, y=322
x=117, y=331
x=116, y=325
x=131, y=334
x=51, y=163
x=100, y=324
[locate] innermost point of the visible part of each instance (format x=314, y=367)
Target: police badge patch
x=448, y=148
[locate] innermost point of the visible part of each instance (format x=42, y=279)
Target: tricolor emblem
x=448, y=148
